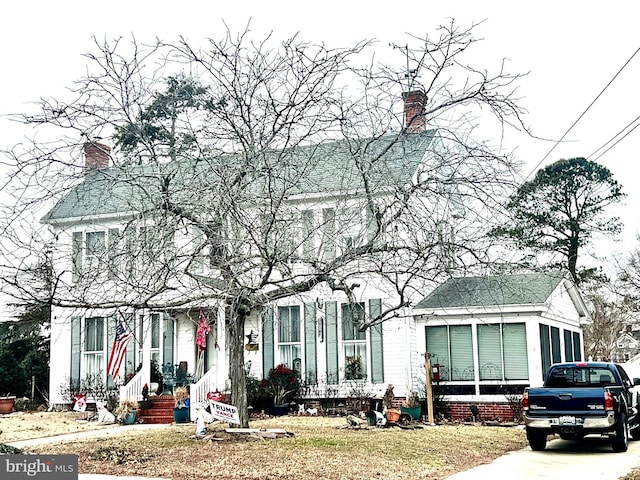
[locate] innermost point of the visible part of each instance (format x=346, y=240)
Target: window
x=550, y=347
x=354, y=341
x=155, y=337
x=94, y=363
x=289, y=345
x=349, y=227
x=96, y=246
x=451, y=347
x=87, y=253
x=502, y=352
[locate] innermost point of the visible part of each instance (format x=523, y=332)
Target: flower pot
x=130, y=418
x=6, y=404
x=413, y=411
x=181, y=415
x=279, y=410
x=393, y=415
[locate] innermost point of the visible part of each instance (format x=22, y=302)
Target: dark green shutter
x=577, y=354
x=375, y=334
x=111, y=335
x=74, y=374
x=112, y=253
x=76, y=256
x=310, y=345
x=568, y=346
x=555, y=344
x=267, y=340
x=545, y=349
x=331, y=311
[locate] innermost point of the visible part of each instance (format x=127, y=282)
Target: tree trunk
x=235, y=329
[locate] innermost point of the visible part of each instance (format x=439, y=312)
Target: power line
x=619, y=140
x=583, y=113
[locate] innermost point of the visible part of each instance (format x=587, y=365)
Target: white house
x=117, y=260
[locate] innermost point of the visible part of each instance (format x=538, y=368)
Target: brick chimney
x=414, y=106
x=96, y=155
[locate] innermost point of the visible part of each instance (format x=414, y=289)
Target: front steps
x=161, y=410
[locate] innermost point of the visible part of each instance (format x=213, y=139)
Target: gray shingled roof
x=321, y=168
x=518, y=289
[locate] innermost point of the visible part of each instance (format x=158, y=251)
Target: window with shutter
x=489, y=352
x=514, y=341
x=461, y=352
x=438, y=349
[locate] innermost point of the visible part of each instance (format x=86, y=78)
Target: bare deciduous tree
x=246, y=172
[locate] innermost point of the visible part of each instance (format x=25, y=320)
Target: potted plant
x=181, y=408
x=411, y=406
x=6, y=403
x=392, y=414
x=283, y=383
x=145, y=403
x=127, y=411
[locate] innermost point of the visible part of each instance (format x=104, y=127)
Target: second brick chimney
x=414, y=108
x=96, y=155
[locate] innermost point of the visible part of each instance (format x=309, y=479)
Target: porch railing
x=198, y=391
x=133, y=388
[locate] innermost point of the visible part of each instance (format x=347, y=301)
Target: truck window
x=580, y=377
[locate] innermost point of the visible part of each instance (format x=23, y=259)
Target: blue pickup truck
x=582, y=398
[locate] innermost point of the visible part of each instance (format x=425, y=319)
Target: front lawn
x=319, y=449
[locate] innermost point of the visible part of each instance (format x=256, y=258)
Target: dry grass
x=319, y=448
x=25, y=425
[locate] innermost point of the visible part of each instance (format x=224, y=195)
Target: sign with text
x=49, y=467
x=224, y=412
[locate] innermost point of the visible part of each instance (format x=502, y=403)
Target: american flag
x=118, y=351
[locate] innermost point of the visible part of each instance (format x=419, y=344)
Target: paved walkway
x=103, y=432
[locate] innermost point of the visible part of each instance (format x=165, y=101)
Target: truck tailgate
x=546, y=401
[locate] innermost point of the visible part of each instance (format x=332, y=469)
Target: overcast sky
x=572, y=50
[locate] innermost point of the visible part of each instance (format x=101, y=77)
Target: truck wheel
x=620, y=442
x=537, y=439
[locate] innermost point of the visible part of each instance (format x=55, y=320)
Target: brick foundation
x=501, y=412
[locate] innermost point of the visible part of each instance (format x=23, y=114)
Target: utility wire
x=583, y=113
x=619, y=140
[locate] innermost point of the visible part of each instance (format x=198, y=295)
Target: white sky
x=572, y=49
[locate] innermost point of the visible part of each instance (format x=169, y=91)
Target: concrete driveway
x=591, y=458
